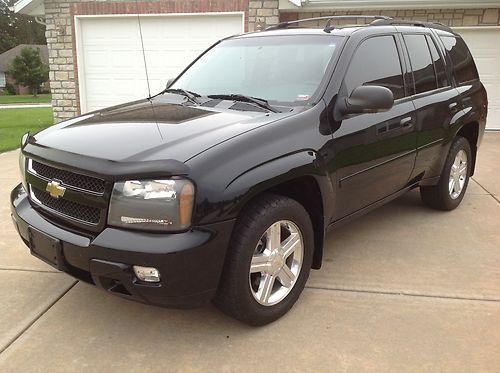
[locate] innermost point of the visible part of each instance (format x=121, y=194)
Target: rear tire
x=273, y=233
x=450, y=190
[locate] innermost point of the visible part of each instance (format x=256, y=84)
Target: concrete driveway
x=404, y=288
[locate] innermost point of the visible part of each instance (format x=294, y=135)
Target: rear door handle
x=406, y=122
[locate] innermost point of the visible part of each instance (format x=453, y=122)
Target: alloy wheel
x=458, y=174
x=276, y=263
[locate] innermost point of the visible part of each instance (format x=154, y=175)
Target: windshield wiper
x=242, y=98
x=191, y=96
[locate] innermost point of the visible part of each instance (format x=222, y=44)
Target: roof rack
x=376, y=21
x=394, y=22
x=328, y=26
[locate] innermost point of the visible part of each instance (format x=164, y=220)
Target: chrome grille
x=68, y=178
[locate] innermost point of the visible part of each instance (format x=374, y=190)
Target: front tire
x=268, y=261
x=450, y=190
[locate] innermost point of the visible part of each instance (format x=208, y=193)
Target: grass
x=14, y=123
x=26, y=99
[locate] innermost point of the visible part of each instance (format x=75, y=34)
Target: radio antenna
x=142, y=46
x=146, y=67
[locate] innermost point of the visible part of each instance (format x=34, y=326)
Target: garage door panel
x=125, y=58
x=483, y=44
x=110, y=55
x=99, y=58
x=487, y=66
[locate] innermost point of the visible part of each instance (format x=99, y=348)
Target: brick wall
x=449, y=17
x=60, y=33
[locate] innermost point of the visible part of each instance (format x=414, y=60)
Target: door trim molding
x=377, y=165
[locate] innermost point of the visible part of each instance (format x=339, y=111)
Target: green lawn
x=25, y=99
x=14, y=123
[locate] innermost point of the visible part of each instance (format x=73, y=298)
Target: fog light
x=147, y=274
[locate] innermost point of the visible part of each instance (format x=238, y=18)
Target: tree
x=18, y=29
x=28, y=69
x=6, y=41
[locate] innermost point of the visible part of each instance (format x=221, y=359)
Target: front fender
x=239, y=190
x=276, y=172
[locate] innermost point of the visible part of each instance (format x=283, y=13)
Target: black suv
x=222, y=187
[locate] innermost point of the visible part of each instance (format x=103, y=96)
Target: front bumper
x=190, y=263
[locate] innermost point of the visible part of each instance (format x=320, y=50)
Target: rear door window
x=464, y=68
x=376, y=62
x=421, y=63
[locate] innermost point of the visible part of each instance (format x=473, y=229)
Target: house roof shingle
x=7, y=57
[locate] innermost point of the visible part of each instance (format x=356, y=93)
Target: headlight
x=163, y=205
x=22, y=169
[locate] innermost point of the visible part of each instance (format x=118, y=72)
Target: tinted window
x=285, y=69
x=421, y=63
x=438, y=64
x=376, y=62
x=464, y=68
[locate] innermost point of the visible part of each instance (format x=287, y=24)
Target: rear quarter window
x=421, y=63
x=438, y=64
x=464, y=68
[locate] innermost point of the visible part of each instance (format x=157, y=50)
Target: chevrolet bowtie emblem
x=55, y=189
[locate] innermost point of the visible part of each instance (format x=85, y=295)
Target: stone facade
x=449, y=17
x=262, y=14
x=259, y=14
x=61, y=62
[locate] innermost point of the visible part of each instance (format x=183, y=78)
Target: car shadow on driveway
x=405, y=247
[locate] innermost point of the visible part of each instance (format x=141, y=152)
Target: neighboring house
x=6, y=60
x=95, y=50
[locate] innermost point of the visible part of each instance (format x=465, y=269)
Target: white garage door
x=110, y=60
x=484, y=46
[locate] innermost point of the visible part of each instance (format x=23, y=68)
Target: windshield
x=279, y=69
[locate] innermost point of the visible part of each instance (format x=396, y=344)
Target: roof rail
x=394, y=22
x=328, y=25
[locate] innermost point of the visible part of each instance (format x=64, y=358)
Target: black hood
x=149, y=130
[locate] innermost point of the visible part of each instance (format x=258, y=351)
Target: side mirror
x=169, y=83
x=367, y=99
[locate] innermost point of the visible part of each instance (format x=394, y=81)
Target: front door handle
x=406, y=122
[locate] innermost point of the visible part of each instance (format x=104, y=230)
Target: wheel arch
x=297, y=176
x=470, y=131
x=307, y=192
